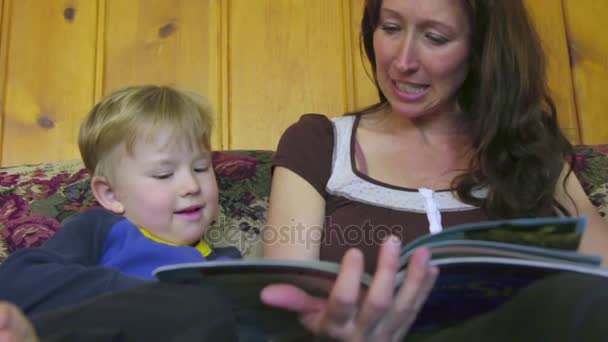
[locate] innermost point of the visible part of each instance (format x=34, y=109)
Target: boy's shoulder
x=97, y=215
x=96, y=222
x=82, y=238
x=98, y=212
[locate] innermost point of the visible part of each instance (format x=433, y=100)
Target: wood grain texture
x=349, y=40
x=365, y=90
x=99, y=49
x=548, y=17
x=262, y=64
x=588, y=43
x=223, y=107
x=49, y=80
x=286, y=58
x=164, y=42
x=4, y=28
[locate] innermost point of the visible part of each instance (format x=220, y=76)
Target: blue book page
x=467, y=248
x=563, y=233
x=466, y=287
x=242, y=282
x=469, y=288
x=249, y=276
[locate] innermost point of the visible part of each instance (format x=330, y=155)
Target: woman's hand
x=381, y=316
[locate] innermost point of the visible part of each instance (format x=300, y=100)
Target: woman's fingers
x=380, y=297
x=311, y=309
x=331, y=317
x=382, y=315
x=417, y=285
x=343, y=300
x=290, y=298
x=388, y=316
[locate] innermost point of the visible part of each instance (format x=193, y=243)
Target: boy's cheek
x=213, y=211
x=212, y=193
x=211, y=208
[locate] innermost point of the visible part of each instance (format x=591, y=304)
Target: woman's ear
x=106, y=195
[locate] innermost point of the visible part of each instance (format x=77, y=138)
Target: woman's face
x=421, y=50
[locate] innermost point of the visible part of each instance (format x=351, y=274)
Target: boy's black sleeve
x=65, y=269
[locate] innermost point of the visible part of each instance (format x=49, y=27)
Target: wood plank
x=4, y=28
x=50, y=77
x=365, y=90
x=100, y=47
x=589, y=55
x=548, y=17
x=286, y=58
x=223, y=107
x=349, y=40
x=174, y=42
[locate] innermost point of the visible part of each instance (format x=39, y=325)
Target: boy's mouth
x=189, y=210
x=193, y=213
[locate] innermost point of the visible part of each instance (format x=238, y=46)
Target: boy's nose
x=190, y=186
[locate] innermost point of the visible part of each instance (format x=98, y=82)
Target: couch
x=35, y=199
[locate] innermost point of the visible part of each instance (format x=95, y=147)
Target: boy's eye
x=201, y=169
x=163, y=176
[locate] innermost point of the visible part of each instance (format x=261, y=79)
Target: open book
x=481, y=266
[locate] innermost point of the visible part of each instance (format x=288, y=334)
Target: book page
x=563, y=233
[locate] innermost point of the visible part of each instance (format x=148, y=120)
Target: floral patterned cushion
x=591, y=168
x=35, y=199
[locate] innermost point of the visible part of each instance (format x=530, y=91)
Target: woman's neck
x=433, y=153
x=431, y=130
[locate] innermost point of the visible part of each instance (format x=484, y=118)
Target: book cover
x=482, y=265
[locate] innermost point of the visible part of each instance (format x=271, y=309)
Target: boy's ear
x=105, y=195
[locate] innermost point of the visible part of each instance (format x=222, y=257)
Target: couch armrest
x=591, y=168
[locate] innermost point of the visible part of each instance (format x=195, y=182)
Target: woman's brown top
x=360, y=211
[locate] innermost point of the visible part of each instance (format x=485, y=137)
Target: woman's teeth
x=411, y=88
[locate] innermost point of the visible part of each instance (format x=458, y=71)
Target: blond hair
x=126, y=114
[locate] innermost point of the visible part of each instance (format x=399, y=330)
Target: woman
x=464, y=131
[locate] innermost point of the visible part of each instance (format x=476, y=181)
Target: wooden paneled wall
x=262, y=63
x=589, y=65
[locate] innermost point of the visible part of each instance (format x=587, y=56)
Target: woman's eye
x=389, y=28
x=436, y=39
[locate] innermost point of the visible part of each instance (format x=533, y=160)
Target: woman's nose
x=407, y=58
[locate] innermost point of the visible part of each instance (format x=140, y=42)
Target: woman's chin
x=409, y=112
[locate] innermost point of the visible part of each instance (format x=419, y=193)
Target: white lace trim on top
x=345, y=183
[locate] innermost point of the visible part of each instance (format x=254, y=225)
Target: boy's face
x=167, y=189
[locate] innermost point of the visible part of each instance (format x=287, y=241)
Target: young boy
x=148, y=151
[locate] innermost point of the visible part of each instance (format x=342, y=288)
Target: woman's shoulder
x=318, y=126
x=312, y=122
x=306, y=148
x=310, y=128
x=316, y=129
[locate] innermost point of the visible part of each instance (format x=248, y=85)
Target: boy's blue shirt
x=128, y=250
x=92, y=254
